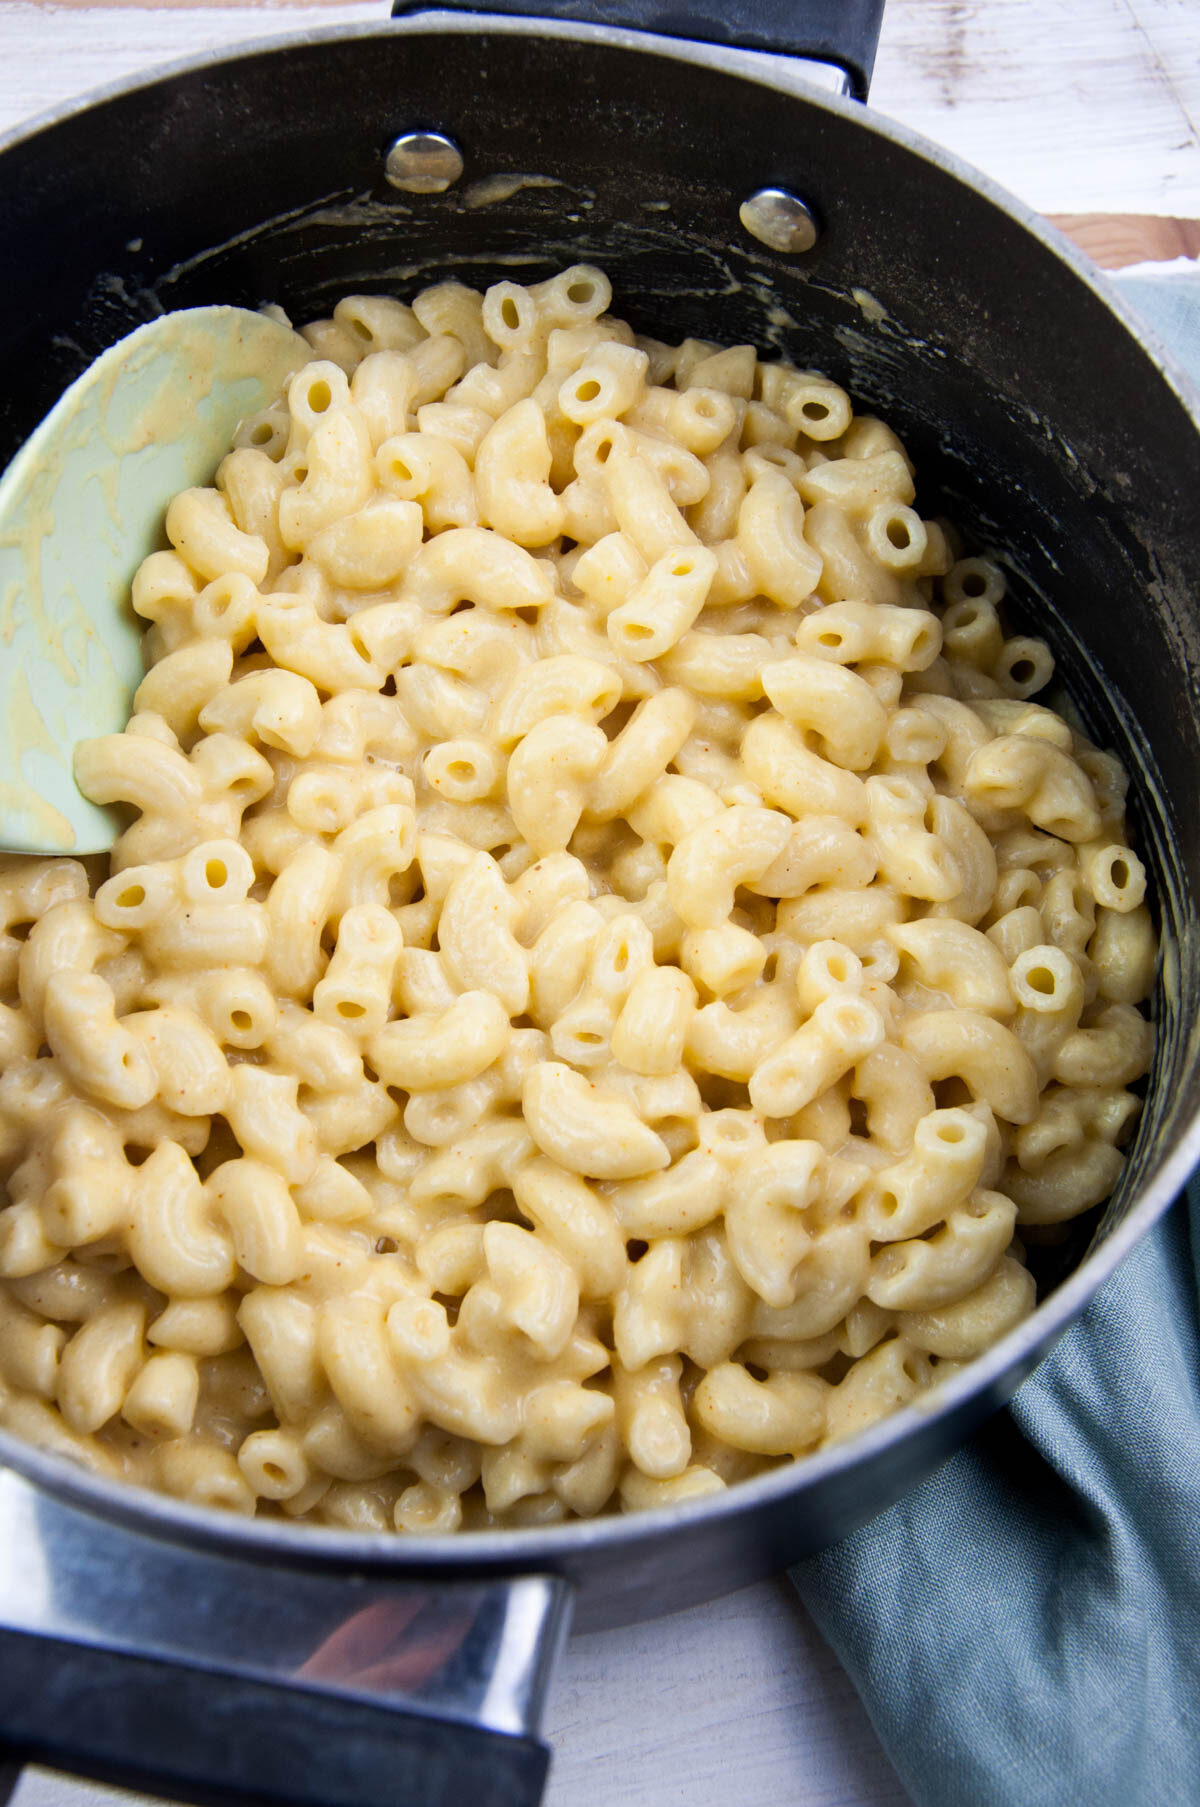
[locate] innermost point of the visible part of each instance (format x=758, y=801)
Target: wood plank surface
x=1078, y=106
x=1116, y=240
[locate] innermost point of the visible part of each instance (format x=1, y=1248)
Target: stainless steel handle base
x=208, y=1678
x=205, y=1737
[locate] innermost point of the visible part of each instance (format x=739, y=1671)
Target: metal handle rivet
x=423, y=163
x=779, y=219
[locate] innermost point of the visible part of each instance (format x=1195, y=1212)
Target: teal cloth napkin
x=1024, y=1628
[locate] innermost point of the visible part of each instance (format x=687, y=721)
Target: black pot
x=1039, y=416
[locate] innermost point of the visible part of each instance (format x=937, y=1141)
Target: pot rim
x=556, y=1546
x=782, y=74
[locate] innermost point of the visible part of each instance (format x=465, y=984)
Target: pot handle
x=213, y=1678
x=844, y=32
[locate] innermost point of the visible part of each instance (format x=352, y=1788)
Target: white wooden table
x=1090, y=111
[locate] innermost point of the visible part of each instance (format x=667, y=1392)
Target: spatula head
x=81, y=505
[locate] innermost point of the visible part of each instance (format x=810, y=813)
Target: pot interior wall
x=1034, y=418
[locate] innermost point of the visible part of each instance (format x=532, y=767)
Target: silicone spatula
x=81, y=505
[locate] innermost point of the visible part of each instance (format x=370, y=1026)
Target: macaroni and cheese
x=606, y=969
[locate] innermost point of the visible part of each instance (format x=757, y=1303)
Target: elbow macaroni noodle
x=606, y=969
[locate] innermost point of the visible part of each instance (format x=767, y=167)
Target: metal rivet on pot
x=423, y=163
x=779, y=220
